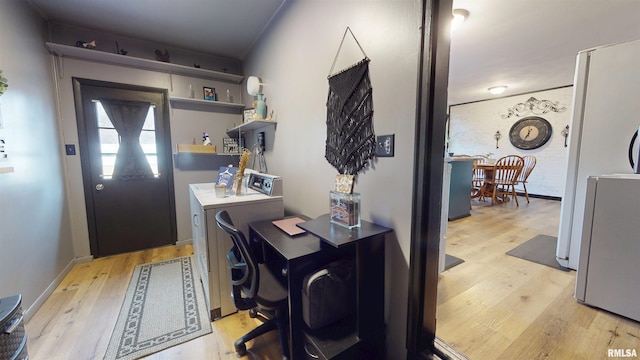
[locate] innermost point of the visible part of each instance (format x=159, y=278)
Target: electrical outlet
x=384, y=145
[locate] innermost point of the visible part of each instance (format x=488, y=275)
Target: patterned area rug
x=163, y=307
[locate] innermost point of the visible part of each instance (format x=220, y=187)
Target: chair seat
x=272, y=294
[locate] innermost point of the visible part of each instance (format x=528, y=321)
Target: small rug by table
x=540, y=249
x=451, y=261
x=164, y=306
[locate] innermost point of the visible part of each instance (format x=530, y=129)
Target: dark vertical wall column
x=429, y=161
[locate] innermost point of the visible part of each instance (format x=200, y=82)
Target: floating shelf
x=205, y=105
x=133, y=62
x=251, y=125
x=199, y=161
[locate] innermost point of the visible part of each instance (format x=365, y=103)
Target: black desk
x=359, y=337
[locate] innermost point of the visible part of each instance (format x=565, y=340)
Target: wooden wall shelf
x=206, y=105
x=133, y=62
x=199, y=161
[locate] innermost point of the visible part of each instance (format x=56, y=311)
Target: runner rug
x=163, y=307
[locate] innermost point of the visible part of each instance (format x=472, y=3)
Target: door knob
x=99, y=187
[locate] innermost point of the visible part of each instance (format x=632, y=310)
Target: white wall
x=35, y=232
x=293, y=59
x=473, y=125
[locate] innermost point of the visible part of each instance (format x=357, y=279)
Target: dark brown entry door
x=126, y=165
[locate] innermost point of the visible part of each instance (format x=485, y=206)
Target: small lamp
x=254, y=88
x=253, y=85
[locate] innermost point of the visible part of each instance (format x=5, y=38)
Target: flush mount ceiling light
x=459, y=16
x=497, y=90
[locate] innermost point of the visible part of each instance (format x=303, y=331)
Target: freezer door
x=608, y=274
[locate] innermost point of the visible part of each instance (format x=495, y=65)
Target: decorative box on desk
x=345, y=209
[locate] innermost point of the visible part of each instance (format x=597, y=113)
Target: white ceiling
x=221, y=27
x=531, y=45
x=528, y=45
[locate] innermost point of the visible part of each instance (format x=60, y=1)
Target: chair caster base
x=253, y=313
x=241, y=349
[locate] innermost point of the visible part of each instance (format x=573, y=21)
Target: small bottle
x=191, y=92
x=229, y=96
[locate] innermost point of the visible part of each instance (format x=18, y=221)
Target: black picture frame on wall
x=209, y=93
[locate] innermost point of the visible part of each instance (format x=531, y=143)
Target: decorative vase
x=261, y=107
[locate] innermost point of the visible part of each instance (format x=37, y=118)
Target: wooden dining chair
x=529, y=163
x=505, y=176
x=478, y=175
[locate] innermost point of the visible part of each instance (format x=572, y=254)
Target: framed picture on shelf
x=248, y=115
x=209, y=93
x=230, y=146
x=225, y=176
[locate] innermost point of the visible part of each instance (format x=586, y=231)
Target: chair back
x=478, y=174
x=507, y=169
x=242, y=264
x=529, y=164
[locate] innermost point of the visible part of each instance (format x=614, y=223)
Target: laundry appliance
x=262, y=200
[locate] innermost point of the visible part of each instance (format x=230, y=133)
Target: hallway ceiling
x=528, y=45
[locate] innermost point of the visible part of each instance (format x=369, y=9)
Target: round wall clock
x=530, y=133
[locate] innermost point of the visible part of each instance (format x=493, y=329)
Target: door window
x=110, y=141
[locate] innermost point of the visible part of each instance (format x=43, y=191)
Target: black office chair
x=254, y=286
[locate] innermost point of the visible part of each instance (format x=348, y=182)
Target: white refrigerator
x=604, y=122
x=608, y=274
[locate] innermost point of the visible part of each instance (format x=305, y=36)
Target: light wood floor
x=76, y=321
x=495, y=306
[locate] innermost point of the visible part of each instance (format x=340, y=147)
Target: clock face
x=530, y=133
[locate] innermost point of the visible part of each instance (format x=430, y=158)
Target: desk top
x=290, y=247
x=336, y=235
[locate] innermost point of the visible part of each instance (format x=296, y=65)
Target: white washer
x=211, y=244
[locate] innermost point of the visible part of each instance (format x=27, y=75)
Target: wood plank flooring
x=77, y=320
x=495, y=306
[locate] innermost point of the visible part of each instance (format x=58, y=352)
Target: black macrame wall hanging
x=350, y=138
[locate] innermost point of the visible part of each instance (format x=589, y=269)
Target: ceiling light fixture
x=497, y=90
x=459, y=16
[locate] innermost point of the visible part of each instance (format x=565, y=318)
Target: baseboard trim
x=184, y=242
x=545, y=197
x=31, y=310
x=446, y=351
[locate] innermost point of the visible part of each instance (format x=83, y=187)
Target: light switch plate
x=384, y=145
x=70, y=148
